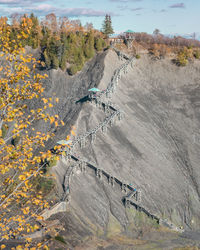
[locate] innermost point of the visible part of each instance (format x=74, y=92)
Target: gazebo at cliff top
x=129, y=34
x=129, y=31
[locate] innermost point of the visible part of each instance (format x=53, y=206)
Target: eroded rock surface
x=154, y=148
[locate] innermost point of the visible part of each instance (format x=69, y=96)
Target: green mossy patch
x=113, y=226
x=139, y=220
x=60, y=238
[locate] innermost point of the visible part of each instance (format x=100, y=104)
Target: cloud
x=71, y=12
x=125, y=1
x=19, y=2
x=44, y=9
x=177, y=5
x=10, y=1
x=136, y=9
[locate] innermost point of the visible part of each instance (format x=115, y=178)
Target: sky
x=169, y=16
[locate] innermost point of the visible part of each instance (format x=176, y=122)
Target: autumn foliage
x=63, y=43
x=181, y=50
x=20, y=84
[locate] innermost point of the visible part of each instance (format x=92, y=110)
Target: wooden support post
x=84, y=166
x=111, y=122
x=68, y=198
x=99, y=173
x=81, y=144
x=127, y=203
x=119, y=116
x=81, y=166
x=106, y=107
x=93, y=137
x=104, y=128
x=132, y=63
x=111, y=180
x=138, y=195
x=123, y=187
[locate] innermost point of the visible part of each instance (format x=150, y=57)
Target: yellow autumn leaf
x=73, y=133
x=40, y=217
x=29, y=239
x=22, y=177
x=36, y=227
x=45, y=100
x=52, y=119
x=5, y=237
x=19, y=247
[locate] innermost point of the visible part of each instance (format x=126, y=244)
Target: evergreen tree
x=55, y=62
x=47, y=59
x=45, y=37
x=107, y=26
x=35, y=32
x=63, y=60
x=89, y=46
x=60, y=46
x=81, y=60
x=98, y=44
x=156, y=32
x=73, y=70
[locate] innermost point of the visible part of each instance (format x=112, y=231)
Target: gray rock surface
x=155, y=147
x=69, y=90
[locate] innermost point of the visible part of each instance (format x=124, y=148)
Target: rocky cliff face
x=69, y=90
x=154, y=148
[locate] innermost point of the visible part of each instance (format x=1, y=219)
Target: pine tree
x=55, y=62
x=89, y=46
x=73, y=70
x=156, y=32
x=63, y=60
x=35, y=32
x=107, y=26
x=47, y=59
x=98, y=44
